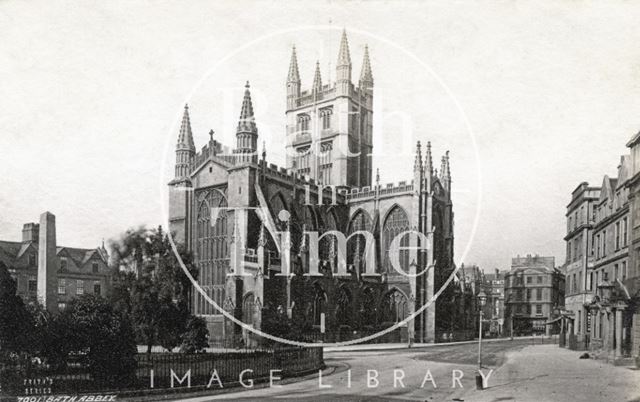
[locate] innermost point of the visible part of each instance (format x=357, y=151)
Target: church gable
x=211, y=173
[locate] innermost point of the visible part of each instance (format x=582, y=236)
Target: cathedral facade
x=319, y=246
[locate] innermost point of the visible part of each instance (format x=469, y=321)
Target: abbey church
x=232, y=209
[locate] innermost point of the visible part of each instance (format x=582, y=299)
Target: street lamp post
x=482, y=299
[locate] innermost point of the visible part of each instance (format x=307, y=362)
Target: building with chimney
x=52, y=274
x=534, y=295
x=495, y=302
x=319, y=239
x=626, y=297
x=580, y=263
x=602, y=275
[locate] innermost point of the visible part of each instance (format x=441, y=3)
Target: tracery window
x=325, y=116
x=248, y=309
x=303, y=122
x=343, y=306
x=396, y=223
x=212, y=251
x=396, y=306
x=328, y=244
x=356, y=245
x=319, y=304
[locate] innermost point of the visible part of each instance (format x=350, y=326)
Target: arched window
x=319, y=304
x=212, y=251
x=248, y=309
x=303, y=122
x=356, y=245
x=368, y=307
x=395, y=304
x=343, y=306
x=396, y=223
x=305, y=222
x=326, y=242
x=325, y=115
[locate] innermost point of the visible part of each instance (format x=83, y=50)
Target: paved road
x=427, y=374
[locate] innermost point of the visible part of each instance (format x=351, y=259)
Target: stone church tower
x=329, y=127
x=357, y=236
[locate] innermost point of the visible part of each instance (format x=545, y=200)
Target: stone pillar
x=608, y=334
x=48, y=263
x=618, y=332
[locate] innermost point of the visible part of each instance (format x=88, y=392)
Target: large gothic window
x=395, y=304
x=248, y=309
x=396, y=223
x=357, y=244
x=212, y=251
x=319, y=304
x=307, y=223
x=368, y=308
x=343, y=306
x=327, y=243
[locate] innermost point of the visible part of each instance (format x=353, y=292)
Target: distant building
x=494, y=310
x=50, y=273
x=473, y=280
x=534, y=295
x=579, y=265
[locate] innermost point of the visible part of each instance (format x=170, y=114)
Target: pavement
x=548, y=373
x=522, y=371
x=365, y=347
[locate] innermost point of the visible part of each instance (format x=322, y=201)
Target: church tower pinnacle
x=185, y=148
x=343, y=67
x=428, y=161
x=247, y=132
x=317, y=79
x=366, y=78
x=293, y=81
x=446, y=174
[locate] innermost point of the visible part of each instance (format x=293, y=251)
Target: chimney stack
x=47, y=263
x=30, y=232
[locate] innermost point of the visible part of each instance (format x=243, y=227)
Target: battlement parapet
x=328, y=91
x=370, y=191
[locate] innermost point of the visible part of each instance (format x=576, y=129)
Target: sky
x=530, y=98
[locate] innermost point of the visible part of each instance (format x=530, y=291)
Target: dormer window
x=95, y=268
x=33, y=260
x=63, y=263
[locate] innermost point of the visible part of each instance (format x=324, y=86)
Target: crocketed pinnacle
x=185, y=137
x=247, y=123
x=294, y=75
x=447, y=168
x=344, y=58
x=365, y=73
x=428, y=161
x=417, y=165
x=317, y=78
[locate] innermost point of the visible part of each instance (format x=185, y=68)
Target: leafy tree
x=104, y=336
x=16, y=324
x=195, y=337
x=151, y=286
